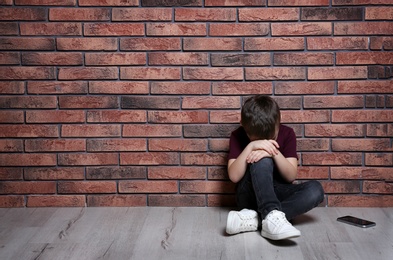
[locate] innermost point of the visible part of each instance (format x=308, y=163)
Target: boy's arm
x=286, y=166
x=237, y=167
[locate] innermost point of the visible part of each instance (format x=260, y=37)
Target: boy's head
x=260, y=117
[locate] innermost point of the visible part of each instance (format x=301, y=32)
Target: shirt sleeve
x=235, y=147
x=289, y=147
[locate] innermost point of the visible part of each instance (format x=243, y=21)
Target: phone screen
x=356, y=221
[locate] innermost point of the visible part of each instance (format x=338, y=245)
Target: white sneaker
x=275, y=226
x=242, y=221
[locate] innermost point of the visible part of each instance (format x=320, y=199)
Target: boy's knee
x=317, y=191
x=266, y=163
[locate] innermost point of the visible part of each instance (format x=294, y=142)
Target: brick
x=178, y=117
x=207, y=187
x=332, y=14
x=288, y=73
x=361, y=145
x=303, y=58
x=221, y=200
x=11, y=173
x=298, y=3
x=23, y=14
x=150, y=73
x=341, y=186
x=65, y=187
x=46, y=2
x=117, y=87
x=87, y=44
x=22, y=187
x=333, y=102
x=203, y=159
x=268, y=14
x=55, y=145
x=337, y=158
x=96, y=130
x=108, y=2
x=363, y=28
x=171, y=144
x=379, y=159
x=11, y=145
x=82, y=159
x=141, y=14
x=360, y=2
x=175, y=173
x=213, y=73
x=12, y=87
x=12, y=201
x=58, y=173
x=52, y=59
x=125, y=59
x=359, y=201
x=217, y=173
x=115, y=172
x=241, y=59
x=177, y=200
x=365, y=173
x=325, y=73
x=304, y=88
x=79, y=14
x=56, y=201
x=113, y=145
x=190, y=58
x=211, y=102
x=6, y=2
x=377, y=187
x=180, y=88
x=9, y=58
x=380, y=130
x=49, y=29
x=88, y=102
x=149, y=44
x=364, y=58
x=235, y=2
x=212, y=44
x=8, y=29
x=362, y=116
x=218, y=131
x=364, y=87
x=57, y=87
x=114, y=29
x=88, y=73
x=11, y=117
x=378, y=72
x=205, y=14
x=379, y=13
x=149, y=102
x=116, y=200
x=337, y=43
x=289, y=102
x=312, y=144
x=28, y=131
x=175, y=29
x=334, y=130
x=149, y=158
x=238, y=29
x=241, y=88
x=171, y=3
x=152, y=130
x=26, y=73
x=300, y=29
x=148, y=186
x=312, y=172
x=219, y=145
x=27, y=102
x=224, y=117
x=116, y=116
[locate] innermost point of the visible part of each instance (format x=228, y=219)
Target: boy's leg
x=297, y=199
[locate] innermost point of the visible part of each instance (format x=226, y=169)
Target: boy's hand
x=270, y=146
x=257, y=155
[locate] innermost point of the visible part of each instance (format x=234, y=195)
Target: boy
x=262, y=161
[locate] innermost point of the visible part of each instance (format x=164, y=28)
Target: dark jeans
x=258, y=190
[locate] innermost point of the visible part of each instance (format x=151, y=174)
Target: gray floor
x=184, y=233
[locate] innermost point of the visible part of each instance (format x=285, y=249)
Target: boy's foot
x=276, y=227
x=242, y=221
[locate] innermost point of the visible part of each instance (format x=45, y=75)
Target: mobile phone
x=356, y=221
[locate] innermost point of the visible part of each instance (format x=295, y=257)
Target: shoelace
x=247, y=221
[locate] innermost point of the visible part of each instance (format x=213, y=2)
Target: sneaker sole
x=280, y=236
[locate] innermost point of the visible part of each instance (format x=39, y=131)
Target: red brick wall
x=131, y=103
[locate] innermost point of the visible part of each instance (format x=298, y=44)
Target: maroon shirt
x=286, y=139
